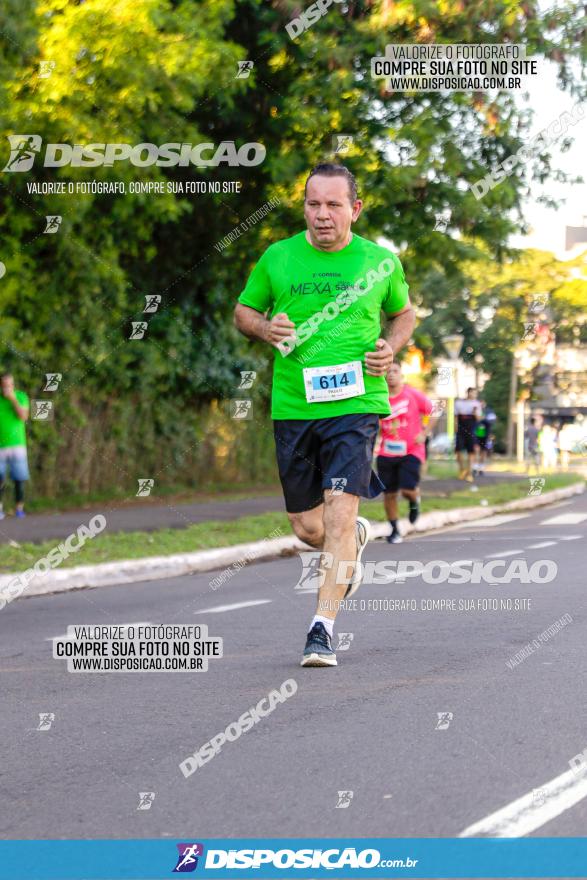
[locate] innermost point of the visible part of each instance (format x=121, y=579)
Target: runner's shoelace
x=318, y=634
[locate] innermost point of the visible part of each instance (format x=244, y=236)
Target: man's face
x=7, y=385
x=329, y=211
x=394, y=376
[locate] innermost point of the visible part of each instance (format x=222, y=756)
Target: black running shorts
x=318, y=454
x=465, y=441
x=399, y=471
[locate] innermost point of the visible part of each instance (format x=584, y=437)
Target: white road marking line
x=65, y=637
x=540, y=546
x=528, y=813
x=565, y=519
x=498, y=520
x=571, y=538
x=503, y=553
x=217, y=609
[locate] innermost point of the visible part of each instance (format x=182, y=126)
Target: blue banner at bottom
x=289, y=857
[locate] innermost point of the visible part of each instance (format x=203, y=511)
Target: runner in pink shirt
x=401, y=449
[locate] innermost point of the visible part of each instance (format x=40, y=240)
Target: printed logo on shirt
x=323, y=287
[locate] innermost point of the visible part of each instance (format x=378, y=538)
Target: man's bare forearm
x=400, y=329
x=251, y=323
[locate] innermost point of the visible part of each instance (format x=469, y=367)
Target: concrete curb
x=234, y=558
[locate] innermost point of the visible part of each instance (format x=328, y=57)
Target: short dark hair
x=331, y=169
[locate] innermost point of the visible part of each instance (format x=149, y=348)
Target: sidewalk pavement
x=149, y=516
x=231, y=559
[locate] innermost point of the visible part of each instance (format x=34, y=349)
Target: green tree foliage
x=158, y=71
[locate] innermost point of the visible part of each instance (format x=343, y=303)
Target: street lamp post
x=452, y=344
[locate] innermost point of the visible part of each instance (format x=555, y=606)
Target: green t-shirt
x=12, y=430
x=335, y=301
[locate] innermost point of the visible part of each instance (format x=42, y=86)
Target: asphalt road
x=369, y=727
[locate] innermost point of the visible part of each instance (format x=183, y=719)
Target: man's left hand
x=379, y=361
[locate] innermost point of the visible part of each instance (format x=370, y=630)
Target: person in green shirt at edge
x=14, y=411
x=317, y=298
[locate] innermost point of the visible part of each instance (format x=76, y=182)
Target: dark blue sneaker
x=318, y=650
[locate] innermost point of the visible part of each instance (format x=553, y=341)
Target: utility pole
x=512, y=405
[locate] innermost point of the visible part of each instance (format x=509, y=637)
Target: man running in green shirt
x=317, y=297
x=14, y=411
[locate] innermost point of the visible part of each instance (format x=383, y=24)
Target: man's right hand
x=280, y=328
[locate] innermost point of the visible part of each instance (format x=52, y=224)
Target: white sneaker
x=363, y=532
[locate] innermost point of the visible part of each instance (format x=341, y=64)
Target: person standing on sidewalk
x=532, y=449
x=401, y=450
x=317, y=298
x=14, y=411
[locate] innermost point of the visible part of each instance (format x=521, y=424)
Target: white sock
x=327, y=621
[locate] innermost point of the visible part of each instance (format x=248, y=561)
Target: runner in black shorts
x=466, y=414
x=328, y=381
x=401, y=448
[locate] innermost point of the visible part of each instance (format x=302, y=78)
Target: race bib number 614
x=334, y=383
